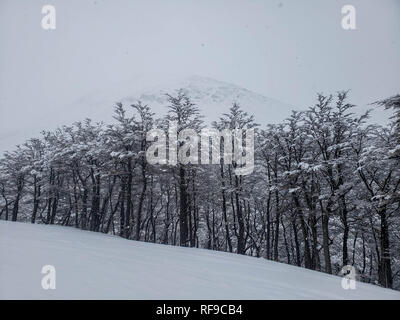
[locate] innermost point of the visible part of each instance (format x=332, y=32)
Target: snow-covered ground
x=97, y=266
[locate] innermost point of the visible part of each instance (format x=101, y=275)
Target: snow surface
x=97, y=266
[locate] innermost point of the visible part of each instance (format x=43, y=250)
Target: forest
x=324, y=192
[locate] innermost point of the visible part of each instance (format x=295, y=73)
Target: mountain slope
x=213, y=97
x=93, y=265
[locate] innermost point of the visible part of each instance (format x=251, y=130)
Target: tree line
x=324, y=193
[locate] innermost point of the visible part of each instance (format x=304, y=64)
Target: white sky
x=284, y=49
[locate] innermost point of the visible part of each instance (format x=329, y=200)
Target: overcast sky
x=287, y=50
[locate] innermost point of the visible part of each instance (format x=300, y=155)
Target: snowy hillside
x=93, y=265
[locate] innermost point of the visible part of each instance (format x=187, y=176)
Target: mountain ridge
x=213, y=97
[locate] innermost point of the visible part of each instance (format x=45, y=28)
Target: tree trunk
x=325, y=238
x=183, y=208
x=385, y=270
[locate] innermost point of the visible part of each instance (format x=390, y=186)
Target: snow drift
x=97, y=266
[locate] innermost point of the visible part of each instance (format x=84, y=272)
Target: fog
x=287, y=50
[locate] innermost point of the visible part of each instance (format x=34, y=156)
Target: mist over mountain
x=212, y=96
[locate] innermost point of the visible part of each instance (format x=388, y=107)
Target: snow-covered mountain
x=92, y=265
x=213, y=97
